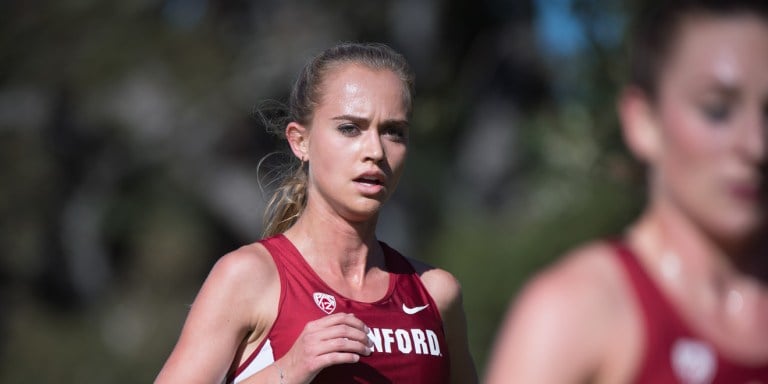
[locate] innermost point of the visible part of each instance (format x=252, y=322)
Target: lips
x=745, y=191
x=369, y=180
x=371, y=177
x=371, y=183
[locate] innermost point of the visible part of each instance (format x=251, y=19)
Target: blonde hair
x=289, y=199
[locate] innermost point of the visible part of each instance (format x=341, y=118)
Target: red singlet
x=673, y=352
x=406, y=328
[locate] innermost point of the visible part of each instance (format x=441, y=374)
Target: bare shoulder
x=246, y=275
x=444, y=288
x=566, y=313
x=586, y=277
x=248, y=263
x=590, y=268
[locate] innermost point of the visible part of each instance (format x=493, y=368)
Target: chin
x=740, y=229
x=362, y=213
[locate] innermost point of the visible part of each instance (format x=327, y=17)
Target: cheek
x=327, y=157
x=689, y=141
x=330, y=148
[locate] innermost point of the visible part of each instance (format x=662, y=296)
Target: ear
x=298, y=139
x=639, y=124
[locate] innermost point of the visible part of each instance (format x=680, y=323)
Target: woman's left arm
x=446, y=292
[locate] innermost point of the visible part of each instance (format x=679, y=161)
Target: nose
x=373, y=149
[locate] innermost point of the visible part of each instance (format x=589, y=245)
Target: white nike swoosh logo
x=413, y=310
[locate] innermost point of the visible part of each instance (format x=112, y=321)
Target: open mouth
x=369, y=180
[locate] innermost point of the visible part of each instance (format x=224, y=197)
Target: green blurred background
x=129, y=146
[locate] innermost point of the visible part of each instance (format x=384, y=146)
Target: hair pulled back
x=289, y=199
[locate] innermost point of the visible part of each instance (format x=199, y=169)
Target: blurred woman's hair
x=655, y=30
x=289, y=199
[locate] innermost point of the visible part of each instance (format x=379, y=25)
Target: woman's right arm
x=240, y=295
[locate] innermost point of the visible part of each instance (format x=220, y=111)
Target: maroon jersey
x=406, y=328
x=673, y=352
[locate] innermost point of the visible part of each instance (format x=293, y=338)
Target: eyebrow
x=727, y=88
x=385, y=123
x=717, y=87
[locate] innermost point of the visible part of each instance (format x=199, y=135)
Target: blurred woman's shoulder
x=589, y=274
x=579, y=310
x=583, y=299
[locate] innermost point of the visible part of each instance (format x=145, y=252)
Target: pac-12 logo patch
x=325, y=302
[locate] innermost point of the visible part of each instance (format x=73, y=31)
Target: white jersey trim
x=263, y=359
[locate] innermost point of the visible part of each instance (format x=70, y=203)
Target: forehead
x=732, y=49
x=353, y=84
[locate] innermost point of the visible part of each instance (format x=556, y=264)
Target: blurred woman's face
x=712, y=107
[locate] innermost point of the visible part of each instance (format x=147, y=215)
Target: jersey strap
x=673, y=352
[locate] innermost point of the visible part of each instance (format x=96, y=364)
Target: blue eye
x=397, y=133
x=348, y=129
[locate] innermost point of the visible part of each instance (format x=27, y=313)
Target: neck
x=687, y=260
x=337, y=246
x=666, y=230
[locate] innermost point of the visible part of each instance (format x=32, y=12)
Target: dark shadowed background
x=129, y=148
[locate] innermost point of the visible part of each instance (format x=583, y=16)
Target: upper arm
x=554, y=332
x=446, y=292
x=225, y=310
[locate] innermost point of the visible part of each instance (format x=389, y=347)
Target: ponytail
x=287, y=202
